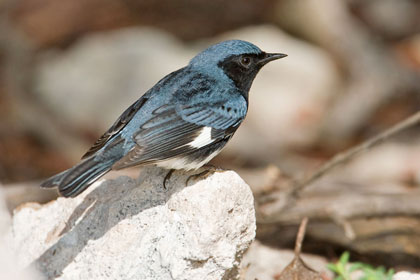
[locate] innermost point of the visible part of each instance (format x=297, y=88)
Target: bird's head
x=237, y=60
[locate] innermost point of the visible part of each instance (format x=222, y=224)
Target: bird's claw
x=210, y=169
x=167, y=177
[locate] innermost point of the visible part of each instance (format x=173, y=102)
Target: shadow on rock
x=103, y=208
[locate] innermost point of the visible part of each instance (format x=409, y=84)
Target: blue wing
x=173, y=127
x=220, y=114
x=119, y=124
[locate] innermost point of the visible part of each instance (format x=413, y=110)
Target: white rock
x=404, y=275
x=4, y=214
x=127, y=229
x=7, y=257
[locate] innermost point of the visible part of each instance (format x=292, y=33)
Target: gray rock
x=128, y=229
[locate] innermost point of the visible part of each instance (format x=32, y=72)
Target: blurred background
x=69, y=68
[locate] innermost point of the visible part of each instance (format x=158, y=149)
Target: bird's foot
x=210, y=169
x=167, y=177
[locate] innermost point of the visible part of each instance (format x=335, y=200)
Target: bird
x=182, y=122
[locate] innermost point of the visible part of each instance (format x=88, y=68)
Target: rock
x=7, y=257
x=404, y=275
x=265, y=263
x=135, y=229
x=18, y=193
x=4, y=214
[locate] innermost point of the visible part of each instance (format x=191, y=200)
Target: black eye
x=245, y=61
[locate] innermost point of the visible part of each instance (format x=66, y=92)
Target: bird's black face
x=242, y=69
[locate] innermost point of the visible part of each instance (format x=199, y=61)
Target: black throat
x=242, y=77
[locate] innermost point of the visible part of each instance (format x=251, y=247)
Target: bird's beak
x=270, y=57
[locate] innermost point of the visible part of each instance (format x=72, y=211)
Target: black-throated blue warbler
x=180, y=123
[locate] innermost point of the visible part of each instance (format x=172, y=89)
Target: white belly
x=185, y=163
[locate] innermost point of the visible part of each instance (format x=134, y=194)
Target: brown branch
x=345, y=205
x=355, y=151
x=300, y=236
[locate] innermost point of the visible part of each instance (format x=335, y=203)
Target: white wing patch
x=203, y=138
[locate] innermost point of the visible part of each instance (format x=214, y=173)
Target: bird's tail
x=75, y=180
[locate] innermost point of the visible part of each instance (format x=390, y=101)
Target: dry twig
x=298, y=269
x=353, y=152
x=300, y=236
